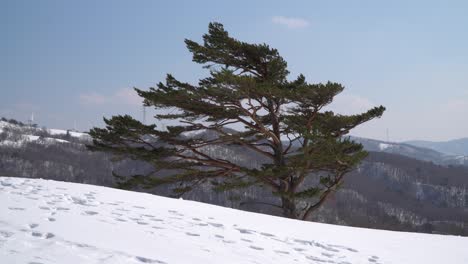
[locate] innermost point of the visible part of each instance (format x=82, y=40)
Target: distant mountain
x=451, y=147
x=412, y=151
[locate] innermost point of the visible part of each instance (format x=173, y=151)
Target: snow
x=64, y=132
x=383, y=146
x=47, y=139
x=43, y=221
x=26, y=138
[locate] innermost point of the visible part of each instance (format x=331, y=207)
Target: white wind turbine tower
x=31, y=120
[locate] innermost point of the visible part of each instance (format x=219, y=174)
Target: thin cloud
x=350, y=104
x=290, y=22
x=93, y=99
x=123, y=96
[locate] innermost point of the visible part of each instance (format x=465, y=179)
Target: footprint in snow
x=256, y=248
x=39, y=234
x=90, y=213
x=245, y=231
x=32, y=226
x=6, y=234
x=317, y=259
x=147, y=260
x=327, y=255
x=175, y=212
x=147, y=215
x=325, y=247
x=16, y=208
x=267, y=234
x=51, y=219
x=299, y=249
x=343, y=247
x=304, y=242
x=216, y=225
x=191, y=234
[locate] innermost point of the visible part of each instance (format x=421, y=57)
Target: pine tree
x=279, y=119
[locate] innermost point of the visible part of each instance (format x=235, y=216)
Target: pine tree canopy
x=248, y=103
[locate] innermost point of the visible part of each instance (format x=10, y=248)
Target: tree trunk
x=289, y=208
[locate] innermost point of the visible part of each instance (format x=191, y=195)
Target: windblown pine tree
x=304, y=147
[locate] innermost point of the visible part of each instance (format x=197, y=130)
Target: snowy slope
x=48, y=222
x=53, y=131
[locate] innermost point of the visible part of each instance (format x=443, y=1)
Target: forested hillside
x=387, y=191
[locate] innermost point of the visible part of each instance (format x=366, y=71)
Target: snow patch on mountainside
x=30, y=138
x=47, y=222
x=383, y=146
x=64, y=132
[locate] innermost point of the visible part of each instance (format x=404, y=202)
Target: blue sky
x=72, y=61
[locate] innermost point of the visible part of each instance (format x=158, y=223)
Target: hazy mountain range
x=451, y=147
x=398, y=186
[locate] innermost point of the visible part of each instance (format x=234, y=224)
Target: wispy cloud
x=124, y=96
x=350, y=104
x=290, y=22
x=93, y=99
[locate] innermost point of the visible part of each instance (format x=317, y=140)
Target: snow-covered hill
x=47, y=222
